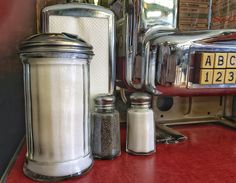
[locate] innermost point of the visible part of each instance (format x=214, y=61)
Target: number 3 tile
x=230, y=76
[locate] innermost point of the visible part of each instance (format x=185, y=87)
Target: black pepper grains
x=106, y=128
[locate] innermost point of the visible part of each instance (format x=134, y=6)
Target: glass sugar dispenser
x=140, y=135
x=105, y=128
x=56, y=88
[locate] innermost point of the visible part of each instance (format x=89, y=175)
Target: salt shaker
x=106, y=128
x=140, y=135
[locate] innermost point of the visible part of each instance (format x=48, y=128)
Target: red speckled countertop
x=209, y=155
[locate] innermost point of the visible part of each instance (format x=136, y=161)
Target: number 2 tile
x=219, y=76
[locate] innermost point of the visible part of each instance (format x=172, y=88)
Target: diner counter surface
x=209, y=155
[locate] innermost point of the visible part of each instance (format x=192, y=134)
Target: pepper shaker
x=106, y=128
x=140, y=136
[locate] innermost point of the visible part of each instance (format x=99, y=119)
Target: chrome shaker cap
x=69, y=45
x=140, y=98
x=105, y=101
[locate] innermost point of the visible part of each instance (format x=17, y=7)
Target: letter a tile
x=207, y=60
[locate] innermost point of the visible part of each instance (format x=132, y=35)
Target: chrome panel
x=177, y=47
x=133, y=27
x=197, y=109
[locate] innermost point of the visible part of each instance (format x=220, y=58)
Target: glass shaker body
x=106, y=132
x=140, y=136
x=56, y=87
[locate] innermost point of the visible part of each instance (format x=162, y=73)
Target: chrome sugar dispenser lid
x=56, y=45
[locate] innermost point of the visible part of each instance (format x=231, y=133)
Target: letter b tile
x=220, y=60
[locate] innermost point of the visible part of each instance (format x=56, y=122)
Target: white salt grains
x=140, y=136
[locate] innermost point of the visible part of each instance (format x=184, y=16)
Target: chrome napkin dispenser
x=94, y=24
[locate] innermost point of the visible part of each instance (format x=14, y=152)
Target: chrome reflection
x=138, y=19
x=171, y=65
